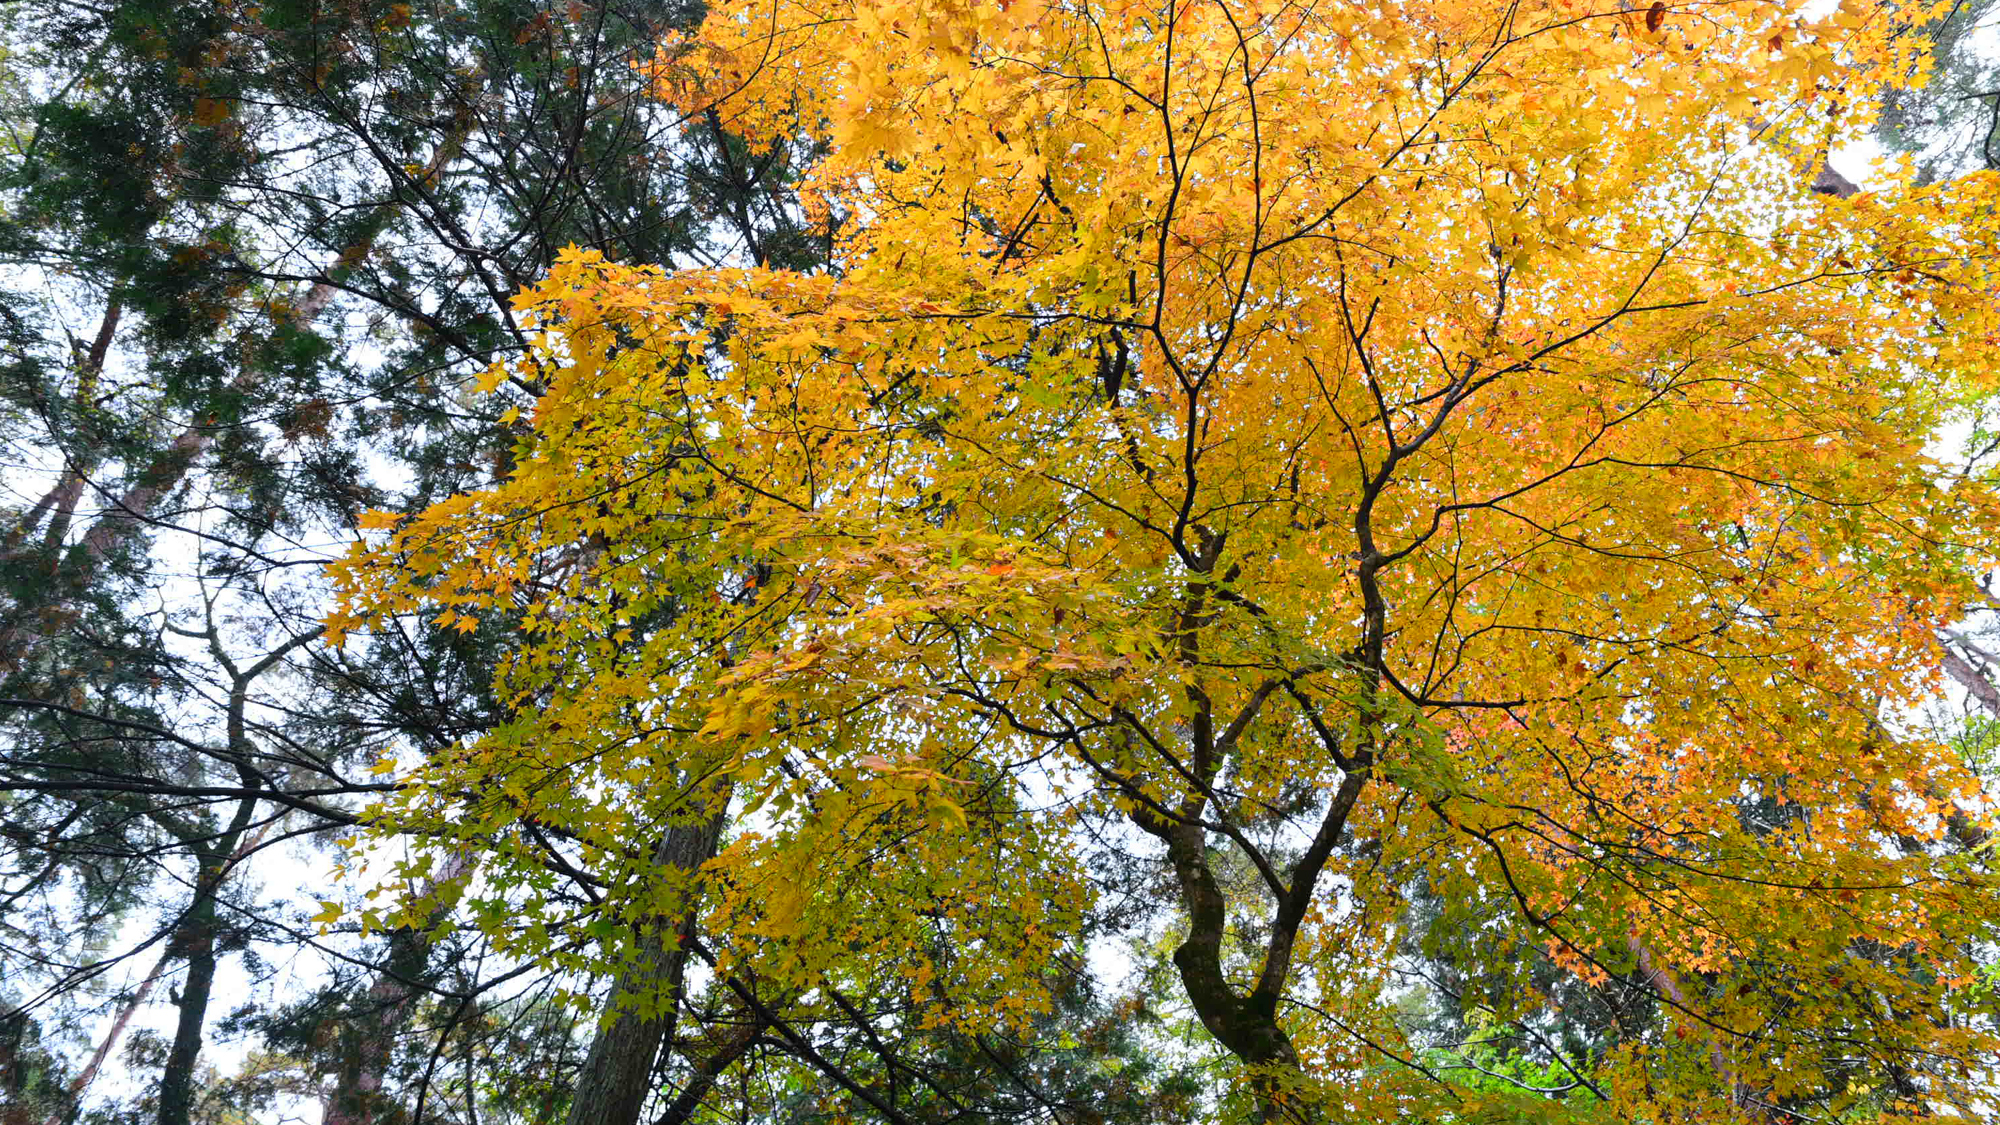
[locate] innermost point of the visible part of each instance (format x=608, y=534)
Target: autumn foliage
x=1365, y=452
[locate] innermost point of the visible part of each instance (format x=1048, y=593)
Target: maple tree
x=1437, y=474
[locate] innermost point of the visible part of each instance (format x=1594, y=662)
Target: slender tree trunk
x=81, y=1083
x=10, y=545
x=195, y=936
x=194, y=941
x=83, y=1080
x=125, y=514
x=616, y=1078
x=19, y=634
x=368, y=1037
x=63, y=509
x=62, y=499
x=130, y=511
x=682, y=1109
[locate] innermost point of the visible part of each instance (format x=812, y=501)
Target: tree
x=1952, y=122
x=1442, y=451
x=256, y=248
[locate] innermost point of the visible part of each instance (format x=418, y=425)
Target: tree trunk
x=1249, y=1035
x=616, y=1078
x=195, y=941
x=195, y=937
x=682, y=1109
x=368, y=1037
x=125, y=515
x=82, y=1081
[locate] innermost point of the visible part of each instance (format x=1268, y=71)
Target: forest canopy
x=998, y=561
x=1445, y=482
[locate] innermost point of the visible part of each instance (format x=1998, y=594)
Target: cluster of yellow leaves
x=1483, y=373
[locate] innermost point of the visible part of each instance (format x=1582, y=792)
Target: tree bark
x=195, y=936
x=195, y=941
x=616, y=1078
x=1969, y=678
x=682, y=1109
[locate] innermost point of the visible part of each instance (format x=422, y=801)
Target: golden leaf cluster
x=1214, y=408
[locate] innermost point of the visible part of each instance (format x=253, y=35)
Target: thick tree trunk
x=1247, y=1025
x=368, y=1037
x=1246, y=1022
x=616, y=1078
x=1237, y=1022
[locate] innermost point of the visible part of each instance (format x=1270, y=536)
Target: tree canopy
x=252, y=254
x=1438, y=479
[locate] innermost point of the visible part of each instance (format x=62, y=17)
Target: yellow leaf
x=210, y=112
